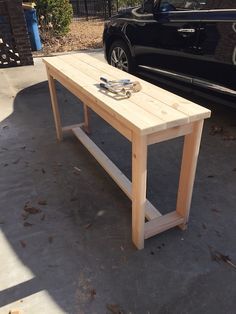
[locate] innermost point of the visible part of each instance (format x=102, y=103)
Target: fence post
x=86, y=9
x=77, y=7
x=109, y=7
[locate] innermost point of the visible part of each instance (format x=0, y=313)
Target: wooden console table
x=150, y=116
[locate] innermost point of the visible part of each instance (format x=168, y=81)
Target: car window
x=183, y=5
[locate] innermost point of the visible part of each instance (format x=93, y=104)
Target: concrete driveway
x=72, y=252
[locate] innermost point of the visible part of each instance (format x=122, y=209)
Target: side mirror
x=167, y=7
x=164, y=6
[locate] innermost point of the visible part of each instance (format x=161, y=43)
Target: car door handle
x=186, y=30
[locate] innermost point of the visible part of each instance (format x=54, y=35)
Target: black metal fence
x=93, y=8
x=99, y=8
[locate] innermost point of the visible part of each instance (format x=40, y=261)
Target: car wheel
x=120, y=57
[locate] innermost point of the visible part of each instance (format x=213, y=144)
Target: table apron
x=90, y=102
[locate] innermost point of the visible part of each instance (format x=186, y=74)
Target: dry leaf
x=25, y=215
x=114, y=309
x=23, y=243
x=28, y=224
x=42, y=202
x=93, y=293
x=32, y=210
x=16, y=161
x=77, y=169
x=88, y=225
x=215, y=129
x=219, y=257
x=229, y=138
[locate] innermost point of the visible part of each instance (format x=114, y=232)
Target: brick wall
x=15, y=46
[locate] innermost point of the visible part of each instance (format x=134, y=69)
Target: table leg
x=86, y=125
x=188, y=169
x=56, y=113
x=139, y=177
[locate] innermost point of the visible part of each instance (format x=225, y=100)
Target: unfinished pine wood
x=169, y=115
x=104, y=161
x=139, y=177
x=111, y=119
x=169, y=134
x=151, y=212
x=162, y=223
x=56, y=113
x=86, y=125
x=151, y=116
x=188, y=170
x=121, y=180
x=174, y=105
x=69, y=128
x=194, y=111
x=132, y=116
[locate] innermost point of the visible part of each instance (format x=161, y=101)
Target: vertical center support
x=139, y=181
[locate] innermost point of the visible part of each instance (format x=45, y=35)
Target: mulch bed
x=82, y=35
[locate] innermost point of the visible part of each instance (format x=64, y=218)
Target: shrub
x=54, y=16
x=128, y=3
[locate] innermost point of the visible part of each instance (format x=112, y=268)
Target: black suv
x=190, y=40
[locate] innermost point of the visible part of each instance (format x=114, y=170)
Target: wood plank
x=151, y=212
x=171, y=116
x=169, y=133
x=69, y=128
x=189, y=108
x=132, y=116
x=56, y=113
x=139, y=185
x=92, y=104
x=162, y=223
x=122, y=181
x=104, y=161
x=60, y=66
x=188, y=170
x=86, y=125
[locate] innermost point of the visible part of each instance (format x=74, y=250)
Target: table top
x=145, y=112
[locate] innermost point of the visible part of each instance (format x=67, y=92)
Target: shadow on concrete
x=78, y=246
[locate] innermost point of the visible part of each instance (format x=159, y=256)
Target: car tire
x=120, y=57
